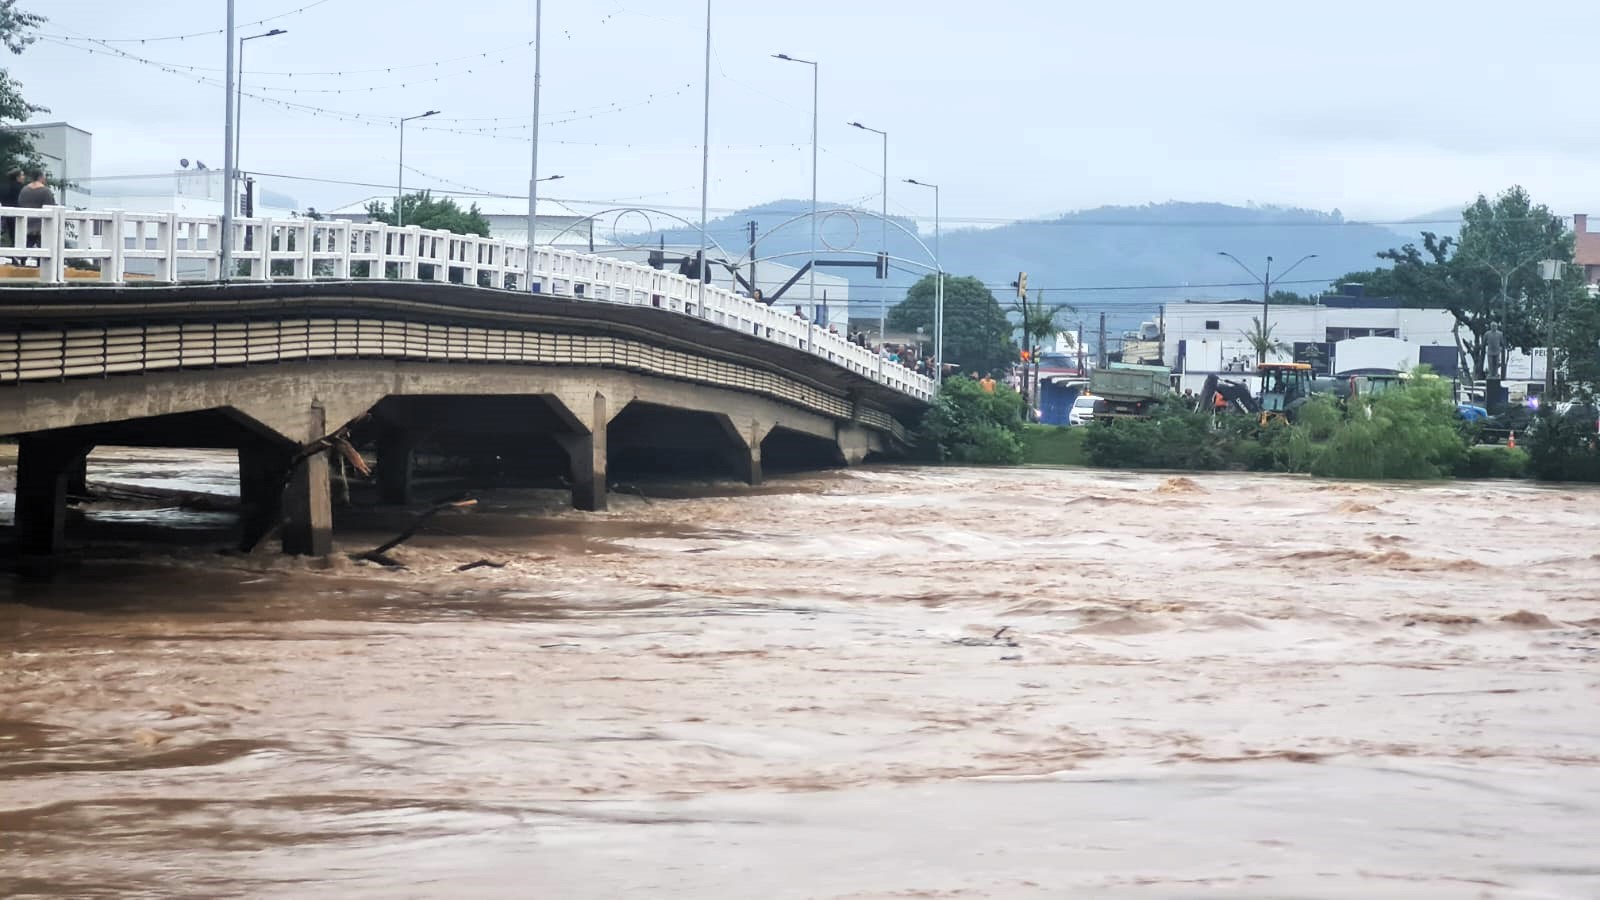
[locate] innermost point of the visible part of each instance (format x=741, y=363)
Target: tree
x=1488, y=278
x=968, y=424
x=16, y=33
x=1262, y=341
x=422, y=210
x=977, y=335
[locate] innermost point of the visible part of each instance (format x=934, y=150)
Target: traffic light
x=1027, y=356
x=1022, y=284
x=883, y=265
x=658, y=259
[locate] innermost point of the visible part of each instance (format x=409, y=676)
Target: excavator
x=1285, y=387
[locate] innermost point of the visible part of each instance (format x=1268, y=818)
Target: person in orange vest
x=987, y=383
x=1219, y=402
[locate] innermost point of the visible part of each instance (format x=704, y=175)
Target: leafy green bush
x=1563, y=448
x=1174, y=438
x=1408, y=433
x=1493, y=462
x=970, y=425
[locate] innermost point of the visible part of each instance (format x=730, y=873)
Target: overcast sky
x=1019, y=108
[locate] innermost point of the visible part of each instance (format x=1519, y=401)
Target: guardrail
x=119, y=247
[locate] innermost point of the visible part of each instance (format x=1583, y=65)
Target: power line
x=211, y=33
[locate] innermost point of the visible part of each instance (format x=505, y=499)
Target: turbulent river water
x=892, y=682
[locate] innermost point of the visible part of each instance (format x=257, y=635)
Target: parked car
x=1082, y=412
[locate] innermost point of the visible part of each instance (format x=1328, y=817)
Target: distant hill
x=1119, y=259
x=1442, y=222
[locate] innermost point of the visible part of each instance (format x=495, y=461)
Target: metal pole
x=400, y=181
x=813, y=270
x=883, y=307
x=533, y=167
x=227, y=162
x=938, y=312
x=238, y=110
x=1266, y=300
x=705, y=163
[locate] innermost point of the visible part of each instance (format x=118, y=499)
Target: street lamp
x=883, y=305
x=1266, y=291
x=533, y=168
x=938, y=297
x=813, y=267
x=400, y=184
x=238, y=121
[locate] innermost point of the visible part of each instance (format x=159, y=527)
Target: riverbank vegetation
x=1412, y=433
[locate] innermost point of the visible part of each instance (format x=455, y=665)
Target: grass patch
x=1054, y=445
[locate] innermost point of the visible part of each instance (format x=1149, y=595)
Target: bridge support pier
x=586, y=451
x=308, y=509
x=396, y=465
x=746, y=453
x=45, y=465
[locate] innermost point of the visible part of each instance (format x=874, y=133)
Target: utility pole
x=755, y=290
x=1080, y=347
x=1102, y=361
x=1161, y=333
x=228, y=174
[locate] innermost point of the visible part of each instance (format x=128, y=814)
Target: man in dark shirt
x=9, y=189
x=36, y=195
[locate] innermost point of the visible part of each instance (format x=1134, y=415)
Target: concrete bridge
x=394, y=339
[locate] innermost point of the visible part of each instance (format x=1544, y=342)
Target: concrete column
x=308, y=509
x=308, y=499
x=586, y=452
x=745, y=454
x=396, y=465
x=78, y=477
x=44, y=468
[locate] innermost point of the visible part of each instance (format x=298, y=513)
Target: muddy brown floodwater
x=875, y=683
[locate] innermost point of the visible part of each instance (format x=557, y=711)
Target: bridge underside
x=578, y=426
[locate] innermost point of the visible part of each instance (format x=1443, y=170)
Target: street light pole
x=705, y=163
x=238, y=115
x=938, y=297
x=1266, y=292
x=400, y=183
x=533, y=168
x=883, y=305
x=812, y=270
x=226, y=270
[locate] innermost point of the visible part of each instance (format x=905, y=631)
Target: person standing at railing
x=36, y=195
x=9, y=189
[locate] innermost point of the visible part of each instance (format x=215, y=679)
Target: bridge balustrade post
x=115, y=268
x=53, y=244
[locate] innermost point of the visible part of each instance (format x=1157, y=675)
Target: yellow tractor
x=1285, y=387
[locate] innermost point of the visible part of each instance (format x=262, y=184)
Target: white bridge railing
x=118, y=247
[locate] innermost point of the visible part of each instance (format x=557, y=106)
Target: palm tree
x=1037, y=322
x=1262, y=342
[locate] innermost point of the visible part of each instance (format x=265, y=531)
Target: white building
x=559, y=224
x=68, y=155
x=189, y=192
x=1341, y=335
